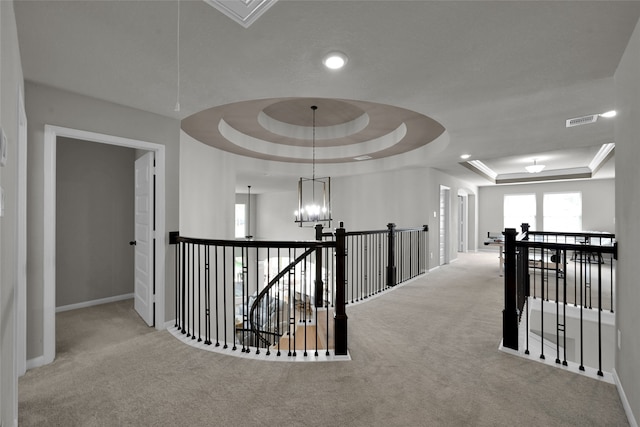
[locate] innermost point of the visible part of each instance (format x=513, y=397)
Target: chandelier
x=314, y=194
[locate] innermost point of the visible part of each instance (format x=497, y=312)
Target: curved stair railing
x=260, y=299
x=257, y=295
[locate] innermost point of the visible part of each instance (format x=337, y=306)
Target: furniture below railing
x=564, y=285
x=287, y=297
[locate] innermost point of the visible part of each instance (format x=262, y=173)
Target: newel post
x=510, y=312
x=340, y=318
x=319, y=284
x=391, y=252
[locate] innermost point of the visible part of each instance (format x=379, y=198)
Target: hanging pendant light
x=314, y=194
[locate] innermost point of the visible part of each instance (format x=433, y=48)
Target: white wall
x=10, y=82
x=598, y=203
x=627, y=135
x=407, y=197
x=250, y=215
x=46, y=105
x=207, y=191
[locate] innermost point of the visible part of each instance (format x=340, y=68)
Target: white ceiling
x=501, y=77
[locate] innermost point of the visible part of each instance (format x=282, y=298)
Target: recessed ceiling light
x=335, y=60
x=608, y=114
x=465, y=156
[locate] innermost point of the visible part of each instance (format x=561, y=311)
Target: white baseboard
x=36, y=362
x=170, y=324
x=93, y=302
x=625, y=401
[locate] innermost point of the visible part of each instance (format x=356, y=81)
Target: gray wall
x=598, y=203
x=627, y=133
x=94, y=221
x=10, y=81
x=46, y=105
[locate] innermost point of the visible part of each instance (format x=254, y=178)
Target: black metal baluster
x=278, y=353
x=559, y=326
x=358, y=269
x=352, y=252
x=190, y=291
x=564, y=306
x=611, y=283
x=542, y=309
x=581, y=367
x=365, y=266
x=217, y=274
x=207, y=294
x=224, y=300
x=177, y=285
x=271, y=327
x=600, y=319
x=199, y=295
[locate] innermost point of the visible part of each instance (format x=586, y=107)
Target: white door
x=144, y=238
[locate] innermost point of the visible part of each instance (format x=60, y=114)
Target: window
x=240, y=221
x=562, y=212
x=518, y=209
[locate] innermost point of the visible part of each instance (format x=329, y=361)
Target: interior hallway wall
x=207, y=191
x=94, y=221
x=627, y=135
x=407, y=197
x=598, y=203
x=46, y=105
x=11, y=82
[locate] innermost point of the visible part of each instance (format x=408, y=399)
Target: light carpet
x=423, y=354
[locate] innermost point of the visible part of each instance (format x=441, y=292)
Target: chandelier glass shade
x=314, y=194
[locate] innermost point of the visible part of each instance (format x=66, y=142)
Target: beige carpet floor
x=424, y=354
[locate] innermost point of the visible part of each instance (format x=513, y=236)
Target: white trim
x=49, y=267
x=94, y=302
x=35, y=362
x=21, y=255
x=170, y=324
x=49, y=240
x=299, y=357
x=625, y=401
x=550, y=361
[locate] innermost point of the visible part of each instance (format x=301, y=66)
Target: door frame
x=463, y=217
x=51, y=133
x=444, y=227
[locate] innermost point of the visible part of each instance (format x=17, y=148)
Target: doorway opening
x=52, y=133
x=445, y=221
x=463, y=218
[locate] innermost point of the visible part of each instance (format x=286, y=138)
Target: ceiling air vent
x=584, y=120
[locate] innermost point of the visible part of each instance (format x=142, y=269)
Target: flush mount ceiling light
x=335, y=60
x=535, y=167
